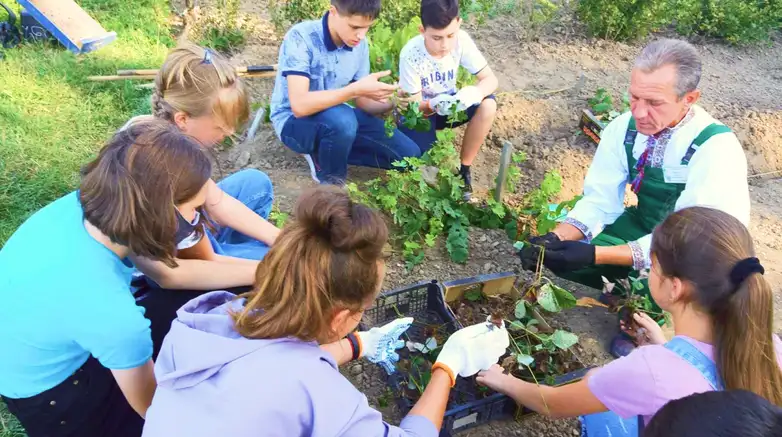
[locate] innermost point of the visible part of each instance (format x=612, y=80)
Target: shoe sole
x=313, y=168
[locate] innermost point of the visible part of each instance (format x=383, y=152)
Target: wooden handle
x=250, y=69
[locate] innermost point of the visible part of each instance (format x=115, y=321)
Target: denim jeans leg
x=328, y=137
x=425, y=140
x=254, y=189
x=373, y=148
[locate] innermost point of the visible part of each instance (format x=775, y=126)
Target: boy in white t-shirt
x=428, y=68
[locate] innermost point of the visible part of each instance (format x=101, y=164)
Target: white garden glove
x=378, y=345
x=472, y=349
x=470, y=96
x=441, y=104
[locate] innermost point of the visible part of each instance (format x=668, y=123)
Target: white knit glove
x=378, y=345
x=470, y=96
x=472, y=349
x=441, y=104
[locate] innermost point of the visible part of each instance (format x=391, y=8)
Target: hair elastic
x=744, y=268
x=207, y=57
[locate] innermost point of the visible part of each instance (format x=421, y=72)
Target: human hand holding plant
x=372, y=88
x=472, y=349
x=379, y=344
x=647, y=332
x=495, y=378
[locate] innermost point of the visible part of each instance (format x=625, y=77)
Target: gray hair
x=681, y=54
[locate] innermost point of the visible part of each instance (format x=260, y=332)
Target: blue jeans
x=342, y=135
x=254, y=189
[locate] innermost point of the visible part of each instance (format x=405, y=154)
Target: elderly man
x=671, y=152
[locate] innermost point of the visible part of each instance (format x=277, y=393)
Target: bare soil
x=545, y=81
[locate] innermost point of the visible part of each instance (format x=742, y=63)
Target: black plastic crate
x=425, y=302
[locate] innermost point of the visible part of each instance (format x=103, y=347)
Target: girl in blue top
x=76, y=348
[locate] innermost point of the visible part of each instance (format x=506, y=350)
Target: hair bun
x=328, y=212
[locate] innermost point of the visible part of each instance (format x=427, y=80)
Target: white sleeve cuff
x=581, y=227
x=640, y=248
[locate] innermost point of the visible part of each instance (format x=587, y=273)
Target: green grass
x=52, y=120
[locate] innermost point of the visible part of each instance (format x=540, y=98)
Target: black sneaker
x=467, y=178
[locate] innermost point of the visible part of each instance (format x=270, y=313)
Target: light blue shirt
x=64, y=296
x=308, y=50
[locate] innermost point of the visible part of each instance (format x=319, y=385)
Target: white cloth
x=474, y=348
x=716, y=176
x=421, y=72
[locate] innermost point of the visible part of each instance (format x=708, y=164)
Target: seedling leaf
x=563, y=339
x=524, y=360
x=521, y=309
x=473, y=295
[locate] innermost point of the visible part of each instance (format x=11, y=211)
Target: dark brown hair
x=324, y=261
x=701, y=246
x=129, y=191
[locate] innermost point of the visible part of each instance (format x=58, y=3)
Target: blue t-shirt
x=64, y=296
x=308, y=50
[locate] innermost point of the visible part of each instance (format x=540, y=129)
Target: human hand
x=530, y=253
x=495, y=378
x=566, y=256
x=403, y=100
x=379, y=344
x=472, y=349
x=470, y=96
x=372, y=88
x=441, y=104
x=647, y=331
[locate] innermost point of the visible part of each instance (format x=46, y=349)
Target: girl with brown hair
x=76, y=348
x=254, y=365
x=198, y=91
x=705, y=274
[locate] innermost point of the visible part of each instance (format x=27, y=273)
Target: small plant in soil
x=628, y=302
x=602, y=105
x=536, y=351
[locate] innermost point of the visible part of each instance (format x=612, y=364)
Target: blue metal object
x=83, y=45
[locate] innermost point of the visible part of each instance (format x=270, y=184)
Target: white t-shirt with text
x=421, y=72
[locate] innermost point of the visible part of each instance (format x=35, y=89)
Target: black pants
x=161, y=305
x=87, y=404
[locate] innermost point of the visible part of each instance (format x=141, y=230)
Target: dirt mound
x=761, y=136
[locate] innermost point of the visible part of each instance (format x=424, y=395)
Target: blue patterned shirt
x=308, y=50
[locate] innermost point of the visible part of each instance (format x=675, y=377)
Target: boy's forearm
x=373, y=106
x=312, y=102
x=488, y=85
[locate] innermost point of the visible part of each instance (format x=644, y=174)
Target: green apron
x=656, y=200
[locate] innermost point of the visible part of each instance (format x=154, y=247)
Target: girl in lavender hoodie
x=705, y=274
x=253, y=366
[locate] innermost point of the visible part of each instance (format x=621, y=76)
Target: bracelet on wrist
x=355, y=345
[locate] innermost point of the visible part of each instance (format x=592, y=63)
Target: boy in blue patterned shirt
x=323, y=64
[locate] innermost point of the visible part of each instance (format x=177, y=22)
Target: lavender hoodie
x=212, y=381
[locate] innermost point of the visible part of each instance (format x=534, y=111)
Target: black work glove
x=530, y=253
x=566, y=256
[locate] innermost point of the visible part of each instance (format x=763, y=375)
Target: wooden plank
x=75, y=23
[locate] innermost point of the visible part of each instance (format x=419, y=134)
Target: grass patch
x=52, y=120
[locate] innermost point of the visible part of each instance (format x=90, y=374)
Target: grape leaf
x=548, y=300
